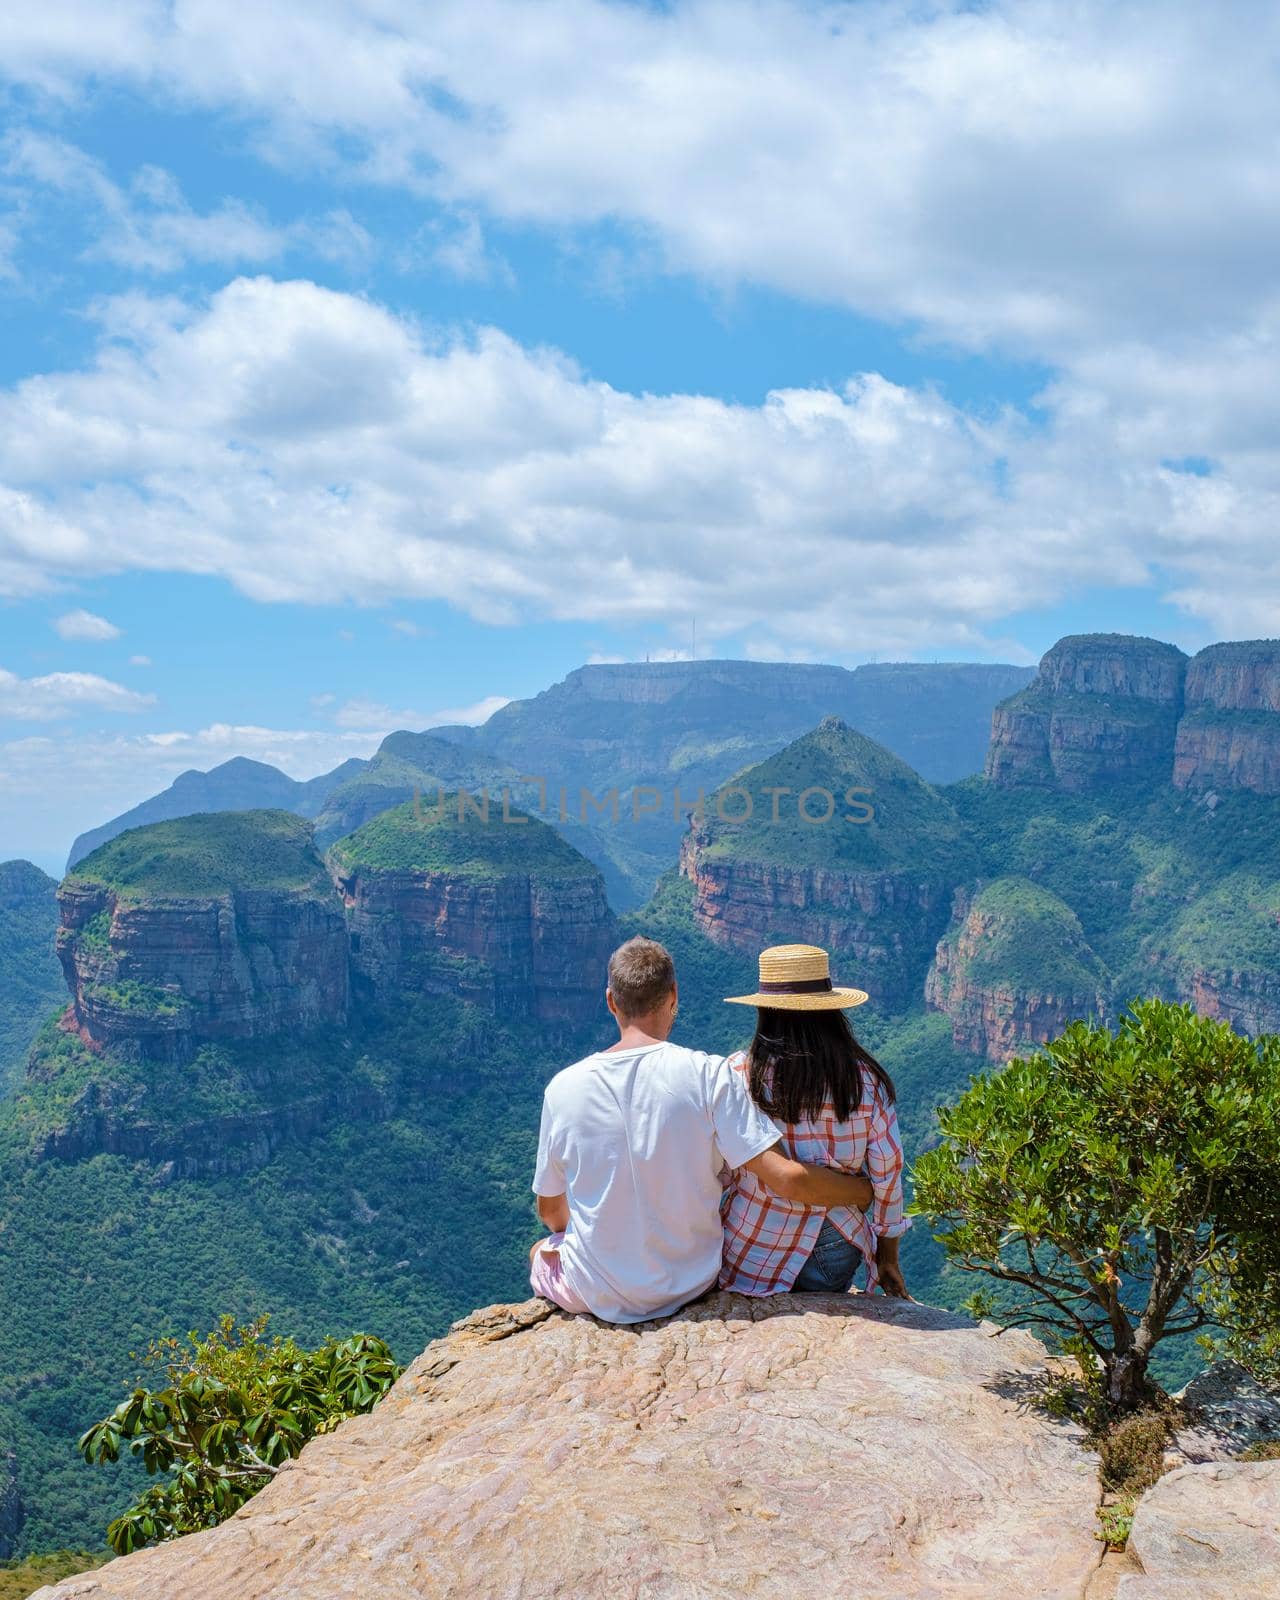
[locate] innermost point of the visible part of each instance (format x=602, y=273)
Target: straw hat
x=797, y=977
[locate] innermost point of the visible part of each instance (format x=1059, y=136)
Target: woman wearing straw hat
x=835, y=1105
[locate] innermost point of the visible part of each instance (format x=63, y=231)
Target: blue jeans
x=831, y=1266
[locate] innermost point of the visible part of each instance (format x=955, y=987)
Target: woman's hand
x=889, y=1271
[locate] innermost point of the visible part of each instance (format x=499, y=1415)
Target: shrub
x=234, y=1409
x=1121, y=1187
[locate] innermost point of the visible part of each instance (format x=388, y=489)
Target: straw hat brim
x=822, y=1000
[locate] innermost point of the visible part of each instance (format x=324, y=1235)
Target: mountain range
x=298, y=1071
x=667, y=726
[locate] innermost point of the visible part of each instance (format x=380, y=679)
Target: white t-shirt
x=636, y=1140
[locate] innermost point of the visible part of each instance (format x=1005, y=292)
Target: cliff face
x=113, y=1118
x=872, y=884
x=1103, y=707
x=1229, y=737
x=880, y=925
x=776, y=1447
x=1015, y=971
x=166, y=973
x=208, y=928
x=505, y=915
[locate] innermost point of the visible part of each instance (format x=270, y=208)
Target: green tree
x=1121, y=1187
x=233, y=1409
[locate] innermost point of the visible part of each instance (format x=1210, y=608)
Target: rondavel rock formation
x=160, y=959
x=790, y=1446
x=1229, y=736
x=1015, y=970
x=501, y=912
x=1103, y=706
x=213, y=930
x=871, y=882
x=1110, y=707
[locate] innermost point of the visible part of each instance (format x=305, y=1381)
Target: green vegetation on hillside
x=911, y=824
x=406, y=764
x=30, y=977
x=1034, y=941
x=18, y=1579
x=398, y=1222
x=452, y=837
x=206, y=855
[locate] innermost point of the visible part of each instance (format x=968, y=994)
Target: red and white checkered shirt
x=768, y=1239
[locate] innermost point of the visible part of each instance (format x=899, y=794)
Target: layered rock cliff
x=1229, y=737
x=791, y=1445
x=844, y=847
x=501, y=912
x=1015, y=971
x=1102, y=708
x=214, y=927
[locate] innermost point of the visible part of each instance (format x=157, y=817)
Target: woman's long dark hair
x=799, y=1060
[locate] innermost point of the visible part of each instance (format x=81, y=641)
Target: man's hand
x=889, y=1271
x=809, y=1185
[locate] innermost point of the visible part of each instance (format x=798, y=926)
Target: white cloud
x=139, y=661
x=375, y=715
x=85, y=626
x=1032, y=173
x=309, y=446
x=148, y=226
x=63, y=694
x=470, y=716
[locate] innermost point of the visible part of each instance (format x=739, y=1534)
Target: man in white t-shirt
x=632, y=1144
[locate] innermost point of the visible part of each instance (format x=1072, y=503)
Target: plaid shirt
x=768, y=1239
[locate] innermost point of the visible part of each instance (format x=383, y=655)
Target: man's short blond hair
x=641, y=976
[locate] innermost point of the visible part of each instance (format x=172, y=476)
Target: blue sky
x=367, y=364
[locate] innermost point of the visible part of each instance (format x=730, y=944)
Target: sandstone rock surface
x=1208, y=1533
x=799, y=1445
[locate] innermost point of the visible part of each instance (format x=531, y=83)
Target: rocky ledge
x=1208, y=1533
x=795, y=1445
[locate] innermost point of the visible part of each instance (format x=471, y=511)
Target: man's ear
x=608, y=1000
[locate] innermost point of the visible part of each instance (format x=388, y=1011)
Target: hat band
x=798, y=986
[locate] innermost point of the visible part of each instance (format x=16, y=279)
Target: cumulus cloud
x=1024, y=172
x=86, y=627
x=63, y=694
x=310, y=446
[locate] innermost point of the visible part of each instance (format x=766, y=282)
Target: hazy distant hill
x=662, y=725
x=236, y=785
